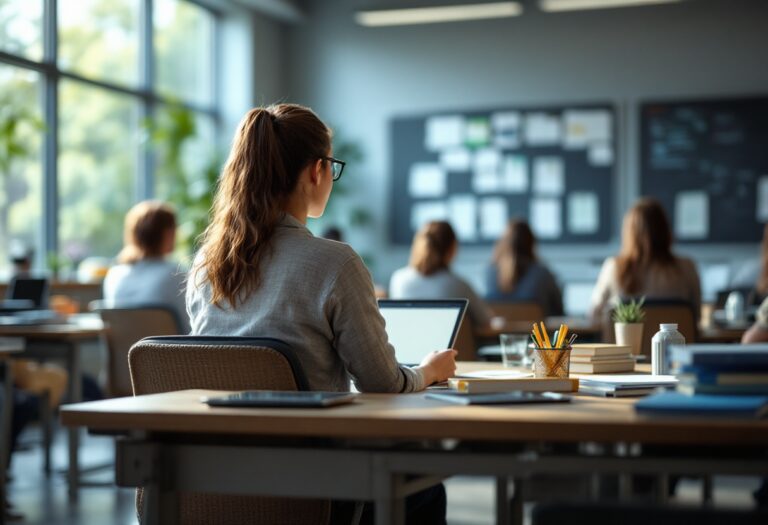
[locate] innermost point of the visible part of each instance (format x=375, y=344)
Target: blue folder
x=675, y=403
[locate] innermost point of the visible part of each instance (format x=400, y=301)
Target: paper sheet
x=426, y=180
x=506, y=129
x=444, y=132
x=584, y=127
x=462, y=210
x=456, y=160
x=478, y=132
x=546, y=218
x=762, y=199
x=424, y=212
x=514, y=174
x=691, y=215
x=600, y=154
x=542, y=129
x=583, y=212
x=548, y=176
x=493, y=217
x=486, y=171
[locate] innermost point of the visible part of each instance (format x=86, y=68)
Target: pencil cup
x=551, y=362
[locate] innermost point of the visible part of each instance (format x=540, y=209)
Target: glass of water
x=514, y=350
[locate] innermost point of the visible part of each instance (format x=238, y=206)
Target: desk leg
x=516, y=509
x=160, y=506
x=389, y=503
x=73, y=433
x=502, y=500
x=5, y=435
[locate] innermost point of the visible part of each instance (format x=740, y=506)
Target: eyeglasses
x=337, y=167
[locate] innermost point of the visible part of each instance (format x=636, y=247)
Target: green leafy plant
x=629, y=312
x=190, y=191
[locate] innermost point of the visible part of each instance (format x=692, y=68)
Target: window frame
x=145, y=95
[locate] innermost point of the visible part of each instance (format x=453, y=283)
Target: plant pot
x=630, y=334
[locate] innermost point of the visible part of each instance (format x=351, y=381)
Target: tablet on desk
x=280, y=398
x=503, y=398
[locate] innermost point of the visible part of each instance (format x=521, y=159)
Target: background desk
x=61, y=342
x=181, y=444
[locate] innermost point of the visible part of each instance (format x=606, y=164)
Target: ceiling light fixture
x=431, y=15
x=578, y=5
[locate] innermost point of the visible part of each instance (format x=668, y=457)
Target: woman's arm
x=362, y=343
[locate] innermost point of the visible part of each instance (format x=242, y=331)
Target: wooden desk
x=61, y=341
x=177, y=443
x=8, y=348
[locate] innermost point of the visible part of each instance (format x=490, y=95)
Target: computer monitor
x=29, y=289
x=417, y=327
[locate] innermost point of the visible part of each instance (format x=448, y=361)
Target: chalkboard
x=707, y=162
x=554, y=166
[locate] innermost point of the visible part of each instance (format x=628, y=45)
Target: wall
x=359, y=78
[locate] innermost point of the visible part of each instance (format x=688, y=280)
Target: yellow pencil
x=537, y=335
x=545, y=335
x=563, y=333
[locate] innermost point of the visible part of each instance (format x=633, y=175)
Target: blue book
x=735, y=356
x=675, y=403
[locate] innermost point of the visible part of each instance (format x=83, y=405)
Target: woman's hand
x=438, y=366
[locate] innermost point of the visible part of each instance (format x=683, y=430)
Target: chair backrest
x=658, y=311
x=532, y=312
x=164, y=364
x=126, y=326
x=465, y=343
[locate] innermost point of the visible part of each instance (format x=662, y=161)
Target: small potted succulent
x=628, y=324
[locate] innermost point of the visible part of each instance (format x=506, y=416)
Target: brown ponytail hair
x=514, y=254
x=146, y=225
x=646, y=240
x=271, y=147
x=432, y=246
x=762, y=280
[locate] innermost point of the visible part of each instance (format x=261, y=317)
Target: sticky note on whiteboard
x=583, y=212
x=444, y=132
x=426, y=180
x=691, y=215
x=546, y=218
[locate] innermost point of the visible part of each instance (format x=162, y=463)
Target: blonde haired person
x=646, y=265
x=142, y=275
x=429, y=276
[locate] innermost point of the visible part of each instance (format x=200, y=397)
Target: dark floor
x=43, y=501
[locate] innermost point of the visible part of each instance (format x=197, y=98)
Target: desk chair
x=658, y=311
x=166, y=364
x=517, y=311
x=466, y=343
x=125, y=327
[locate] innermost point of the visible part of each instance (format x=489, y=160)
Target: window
x=21, y=174
x=21, y=32
x=97, y=169
x=183, y=41
x=99, y=39
x=119, y=66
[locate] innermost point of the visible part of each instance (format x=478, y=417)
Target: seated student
x=261, y=272
x=143, y=276
x=516, y=274
x=25, y=410
x=429, y=276
x=645, y=265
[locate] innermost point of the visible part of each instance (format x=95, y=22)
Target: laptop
x=417, y=327
x=29, y=289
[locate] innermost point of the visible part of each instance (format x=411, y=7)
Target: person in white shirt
x=143, y=276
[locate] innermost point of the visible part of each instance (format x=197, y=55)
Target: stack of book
x=624, y=385
x=601, y=358
x=722, y=369
x=721, y=380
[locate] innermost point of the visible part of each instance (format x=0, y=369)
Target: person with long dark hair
x=646, y=265
x=517, y=275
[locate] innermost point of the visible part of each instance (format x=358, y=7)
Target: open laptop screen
x=416, y=328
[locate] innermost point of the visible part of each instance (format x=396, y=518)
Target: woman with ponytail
x=260, y=272
x=428, y=275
